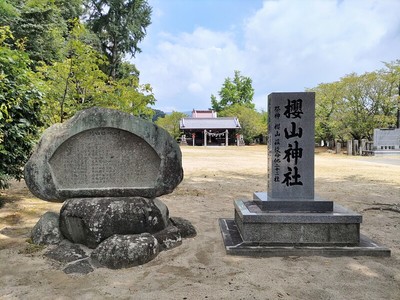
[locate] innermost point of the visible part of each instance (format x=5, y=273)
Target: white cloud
x=296, y=46
x=285, y=46
x=189, y=67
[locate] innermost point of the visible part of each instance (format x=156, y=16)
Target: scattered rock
x=66, y=252
x=80, y=267
x=47, y=231
x=185, y=228
x=168, y=238
x=124, y=251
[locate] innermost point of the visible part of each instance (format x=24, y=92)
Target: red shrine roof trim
x=209, y=123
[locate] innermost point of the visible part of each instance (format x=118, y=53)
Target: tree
x=171, y=123
x=366, y=98
x=78, y=82
x=70, y=10
x=392, y=75
x=253, y=123
x=355, y=105
x=328, y=122
x=8, y=12
x=41, y=25
x=74, y=83
x=120, y=26
x=20, y=104
x=126, y=94
x=158, y=114
x=238, y=90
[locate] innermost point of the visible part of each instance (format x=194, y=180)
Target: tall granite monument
x=289, y=219
x=108, y=168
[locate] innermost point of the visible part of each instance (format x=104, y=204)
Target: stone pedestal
x=339, y=226
x=263, y=227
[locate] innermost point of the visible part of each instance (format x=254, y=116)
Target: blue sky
x=282, y=45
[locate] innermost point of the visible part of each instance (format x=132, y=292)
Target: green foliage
x=158, y=114
x=253, y=123
x=328, y=112
x=8, y=12
x=74, y=83
x=41, y=25
x=78, y=82
x=392, y=76
x=20, y=104
x=126, y=70
x=171, y=123
x=238, y=90
x=70, y=9
x=120, y=26
x=126, y=94
x=355, y=105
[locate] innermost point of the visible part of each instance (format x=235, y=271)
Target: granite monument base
x=234, y=245
x=304, y=229
x=267, y=203
x=385, y=152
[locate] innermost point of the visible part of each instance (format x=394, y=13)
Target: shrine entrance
x=204, y=128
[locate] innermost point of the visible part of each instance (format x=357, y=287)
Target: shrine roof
x=210, y=123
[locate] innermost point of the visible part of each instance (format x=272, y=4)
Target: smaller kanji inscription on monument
x=291, y=146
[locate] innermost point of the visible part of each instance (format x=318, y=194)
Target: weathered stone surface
x=168, y=238
x=47, y=231
x=100, y=153
x=124, y=251
x=80, y=267
x=90, y=221
x=66, y=252
x=185, y=228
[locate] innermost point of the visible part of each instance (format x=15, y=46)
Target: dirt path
x=199, y=268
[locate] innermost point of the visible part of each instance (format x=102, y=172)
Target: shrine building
x=204, y=128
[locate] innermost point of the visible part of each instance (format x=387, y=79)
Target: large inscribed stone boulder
x=104, y=153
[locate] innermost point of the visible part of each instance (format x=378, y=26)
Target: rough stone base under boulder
x=89, y=221
x=124, y=251
x=47, y=230
x=118, y=251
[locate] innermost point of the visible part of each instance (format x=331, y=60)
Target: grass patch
x=31, y=248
